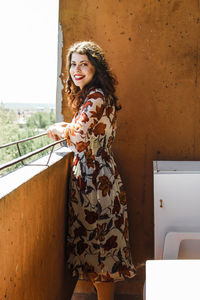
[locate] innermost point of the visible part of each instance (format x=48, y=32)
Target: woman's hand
x=57, y=130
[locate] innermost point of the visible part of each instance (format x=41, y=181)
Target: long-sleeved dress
x=97, y=237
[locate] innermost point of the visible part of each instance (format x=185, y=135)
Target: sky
x=28, y=50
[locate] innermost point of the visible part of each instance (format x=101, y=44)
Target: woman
x=97, y=238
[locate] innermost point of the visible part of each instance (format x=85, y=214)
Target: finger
x=50, y=134
x=54, y=136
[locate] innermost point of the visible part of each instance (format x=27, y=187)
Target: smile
x=79, y=77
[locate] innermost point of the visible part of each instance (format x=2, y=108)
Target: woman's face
x=81, y=69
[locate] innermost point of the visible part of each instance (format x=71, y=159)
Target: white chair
x=173, y=241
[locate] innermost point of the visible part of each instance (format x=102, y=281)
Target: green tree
x=41, y=120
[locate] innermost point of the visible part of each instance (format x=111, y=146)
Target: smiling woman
x=97, y=234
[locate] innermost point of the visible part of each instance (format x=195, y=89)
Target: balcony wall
x=32, y=224
x=153, y=48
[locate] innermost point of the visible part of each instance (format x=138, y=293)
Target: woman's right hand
x=57, y=130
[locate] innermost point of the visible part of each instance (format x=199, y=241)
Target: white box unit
x=176, y=203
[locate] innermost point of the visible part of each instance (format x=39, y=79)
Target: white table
x=173, y=280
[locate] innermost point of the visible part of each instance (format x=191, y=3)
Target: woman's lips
x=78, y=77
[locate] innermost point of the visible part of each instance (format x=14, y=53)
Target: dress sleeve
x=88, y=124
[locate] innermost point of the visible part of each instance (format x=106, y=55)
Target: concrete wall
x=153, y=47
x=32, y=226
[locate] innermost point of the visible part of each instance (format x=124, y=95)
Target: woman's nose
x=77, y=67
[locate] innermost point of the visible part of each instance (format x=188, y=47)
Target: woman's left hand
x=57, y=130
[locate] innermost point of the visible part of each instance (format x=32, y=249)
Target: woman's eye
x=84, y=64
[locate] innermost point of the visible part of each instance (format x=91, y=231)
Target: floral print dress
x=97, y=238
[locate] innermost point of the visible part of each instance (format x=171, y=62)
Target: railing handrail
x=23, y=140
x=25, y=156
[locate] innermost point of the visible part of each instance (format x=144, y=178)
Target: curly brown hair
x=103, y=77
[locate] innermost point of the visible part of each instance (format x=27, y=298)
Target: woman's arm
x=88, y=124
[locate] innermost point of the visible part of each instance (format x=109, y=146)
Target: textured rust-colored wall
x=32, y=220
x=153, y=47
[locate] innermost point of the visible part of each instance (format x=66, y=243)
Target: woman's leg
x=105, y=290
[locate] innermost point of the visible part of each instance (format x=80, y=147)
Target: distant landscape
x=30, y=106
x=22, y=120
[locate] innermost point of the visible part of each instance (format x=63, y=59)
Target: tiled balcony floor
x=82, y=296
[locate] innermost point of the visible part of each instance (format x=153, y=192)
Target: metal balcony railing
x=21, y=157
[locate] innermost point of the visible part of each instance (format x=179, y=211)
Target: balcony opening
x=28, y=73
